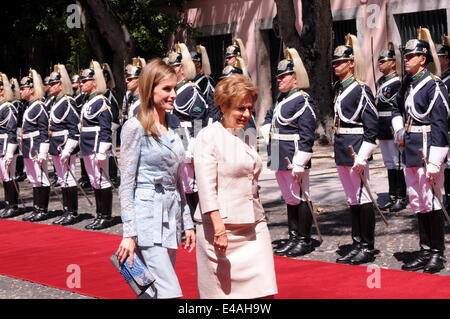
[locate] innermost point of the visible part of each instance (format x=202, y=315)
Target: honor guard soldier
x=19, y=107
x=443, y=53
x=78, y=95
x=8, y=147
x=289, y=132
x=386, y=102
x=204, y=80
x=115, y=125
x=235, y=59
x=132, y=73
x=425, y=138
x=64, y=137
x=96, y=141
x=355, y=125
x=191, y=109
x=35, y=144
x=48, y=99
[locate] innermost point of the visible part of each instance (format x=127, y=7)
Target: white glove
x=299, y=162
x=189, y=154
x=10, y=150
x=101, y=156
x=364, y=153
x=43, y=152
x=265, y=132
x=436, y=158
x=68, y=149
x=399, y=131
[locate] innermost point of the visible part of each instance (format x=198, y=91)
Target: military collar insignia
x=180, y=84
x=347, y=82
x=292, y=91
x=419, y=75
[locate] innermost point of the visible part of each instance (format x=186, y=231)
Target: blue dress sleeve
x=130, y=150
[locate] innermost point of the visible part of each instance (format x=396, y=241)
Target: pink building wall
x=374, y=20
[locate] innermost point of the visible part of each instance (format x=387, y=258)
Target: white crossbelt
x=419, y=129
x=285, y=137
x=350, y=130
x=385, y=114
x=186, y=124
x=3, y=136
x=60, y=133
x=30, y=135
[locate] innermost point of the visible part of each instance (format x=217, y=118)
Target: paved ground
x=395, y=243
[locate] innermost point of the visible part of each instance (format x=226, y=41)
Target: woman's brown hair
x=152, y=74
x=234, y=90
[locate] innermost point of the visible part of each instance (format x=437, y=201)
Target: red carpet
x=42, y=253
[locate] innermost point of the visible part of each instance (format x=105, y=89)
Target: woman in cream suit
x=152, y=201
x=234, y=253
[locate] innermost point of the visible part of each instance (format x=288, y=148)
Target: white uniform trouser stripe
x=390, y=154
x=7, y=175
x=290, y=190
x=97, y=174
x=65, y=179
x=420, y=193
x=354, y=190
x=36, y=177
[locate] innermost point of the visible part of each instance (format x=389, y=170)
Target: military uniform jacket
x=293, y=122
x=356, y=120
x=80, y=99
x=96, y=119
x=114, y=106
x=426, y=106
x=34, y=128
x=8, y=126
x=48, y=102
x=445, y=76
x=206, y=85
x=63, y=124
x=191, y=109
x=386, y=103
x=19, y=109
x=134, y=105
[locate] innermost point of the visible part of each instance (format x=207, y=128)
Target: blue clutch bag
x=139, y=277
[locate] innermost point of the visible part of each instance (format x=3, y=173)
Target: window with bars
x=215, y=46
x=434, y=20
x=341, y=29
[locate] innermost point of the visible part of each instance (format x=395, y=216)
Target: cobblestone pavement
x=395, y=243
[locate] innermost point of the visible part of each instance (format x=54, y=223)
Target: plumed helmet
x=351, y=51
x=292, y=63
x=424, y=45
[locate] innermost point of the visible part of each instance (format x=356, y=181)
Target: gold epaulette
x=361, y=82
x=435, y=77
x=106, y=107
x=304, y=93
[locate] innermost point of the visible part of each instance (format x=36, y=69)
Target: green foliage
x=150, y=22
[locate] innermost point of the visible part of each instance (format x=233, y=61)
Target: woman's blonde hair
x=152, y=74
x=234, y=90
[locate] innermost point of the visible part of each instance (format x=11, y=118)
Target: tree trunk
x=314, y=47
x=108, y=37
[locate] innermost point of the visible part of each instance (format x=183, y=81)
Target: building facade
x=375, y=22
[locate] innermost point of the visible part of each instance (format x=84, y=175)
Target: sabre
x=16, y=187
x=78, y=185
x=308, y=201
x=433, y=186
x=366, y=185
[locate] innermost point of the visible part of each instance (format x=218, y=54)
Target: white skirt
x=247, y=268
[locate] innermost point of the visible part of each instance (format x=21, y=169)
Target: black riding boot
x=98, y=209
x=437, y=232
x=106, y=212
x=392, y=180
x=304, y=244
x=400, y=196
x=424, y=243
x=292, y=221
x=447, y=188
x=36, y=194
x=356, y=235
x=84, y=180
x=367, y=227
x=113, y=171
x=65, y=204
x=12, y=200
x=44, y=197
x=192, y=201
x=72, y=206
